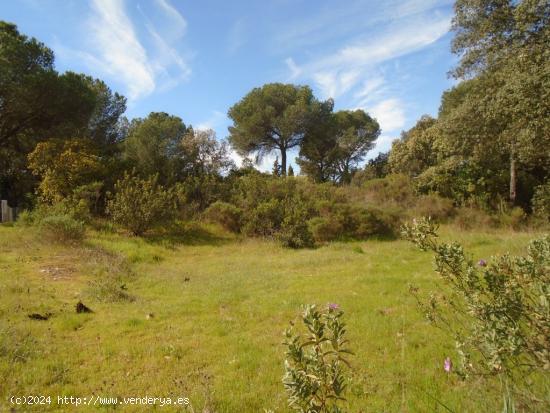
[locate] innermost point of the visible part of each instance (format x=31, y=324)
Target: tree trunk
x=513, y=178
x=283, y=161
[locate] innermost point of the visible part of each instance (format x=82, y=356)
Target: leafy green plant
x=294, y=229
x=62, y=228
x=139, y=204
x=315, y=367
x=541, y=202
x=225, y=214
x=498, y=311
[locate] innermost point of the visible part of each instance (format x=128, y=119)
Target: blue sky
x=195, y=59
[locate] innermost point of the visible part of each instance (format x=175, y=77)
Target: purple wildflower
x=482, y=263
x=447, y=365
x=333, y=306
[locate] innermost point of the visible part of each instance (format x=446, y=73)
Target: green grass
x=201, y=315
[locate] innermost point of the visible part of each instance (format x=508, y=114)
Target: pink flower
x=447, y=365
x=482, y=263
x=333, y=306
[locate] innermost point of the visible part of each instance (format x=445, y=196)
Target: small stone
x=81, y=308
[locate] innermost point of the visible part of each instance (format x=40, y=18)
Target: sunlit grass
x=206, y=317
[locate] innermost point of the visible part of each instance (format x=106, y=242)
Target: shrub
x=372, y=222
x=264, y=220
x=438, y=208
x=541, y=202
x=514, y=218
x=325, y=229
x=473, y=218
x=294, y=229
x=393, y=189
x=225, y=214
x=315, y=364
x=139, y=204
x=498, y=311
x=61, y=228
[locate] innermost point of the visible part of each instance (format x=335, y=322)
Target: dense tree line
x=491, y=139
x=64, y=137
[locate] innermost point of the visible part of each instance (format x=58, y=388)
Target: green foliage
x=474, y=219
x=315, y=365
x=414, y=152
x=541, y=202
x=37, y=103
x=396, y=190
x=225, y=214
x=154, y=146
x=63, y=167
x=265, y=219
x=294, y=229
x=433, y=206
x=498, y=311
x=325, y=228
x=335, y=146
x=139, y=204
x=61, y=228
x=273, y=117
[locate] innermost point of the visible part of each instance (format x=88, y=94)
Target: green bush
x=140, y=204
x=473, y=218
x=498, y=312
x=372, y=222
x=324, y=229
x=264, y=220
x=61, y=228
x=514, y=218
x=541, y=202
x=315, y=364
x=225, y=214
x=395, y=190
x=438, y=208
x=294, y=229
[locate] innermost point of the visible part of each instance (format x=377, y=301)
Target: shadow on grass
x=190, y=233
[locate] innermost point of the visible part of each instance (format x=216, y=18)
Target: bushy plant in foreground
x=498, y=311
x=139, y=204
x=315, y=366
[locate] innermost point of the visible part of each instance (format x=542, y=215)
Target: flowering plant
x=498, y=311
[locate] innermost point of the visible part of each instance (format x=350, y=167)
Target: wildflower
x=333, y=306
x=447, y=365
x=482, y=263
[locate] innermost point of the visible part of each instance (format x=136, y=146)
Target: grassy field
x=201, y=315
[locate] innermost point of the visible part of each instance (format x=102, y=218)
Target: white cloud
x=389, y=113
x=114, y=50
x=295, y=71
x=343, y=65
x=383, y=144
x=371, y=86
x=119, y=51
x=180, y=24
x=238, y=159
x=213, y=121
x=236, y=37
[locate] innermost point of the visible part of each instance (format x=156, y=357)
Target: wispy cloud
x=338, y=72
x=389, y=113
x=213, y=122
x=118, y=50
x=353, y=68
x=114, y=50
x=180, y=24
x=236, y=37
